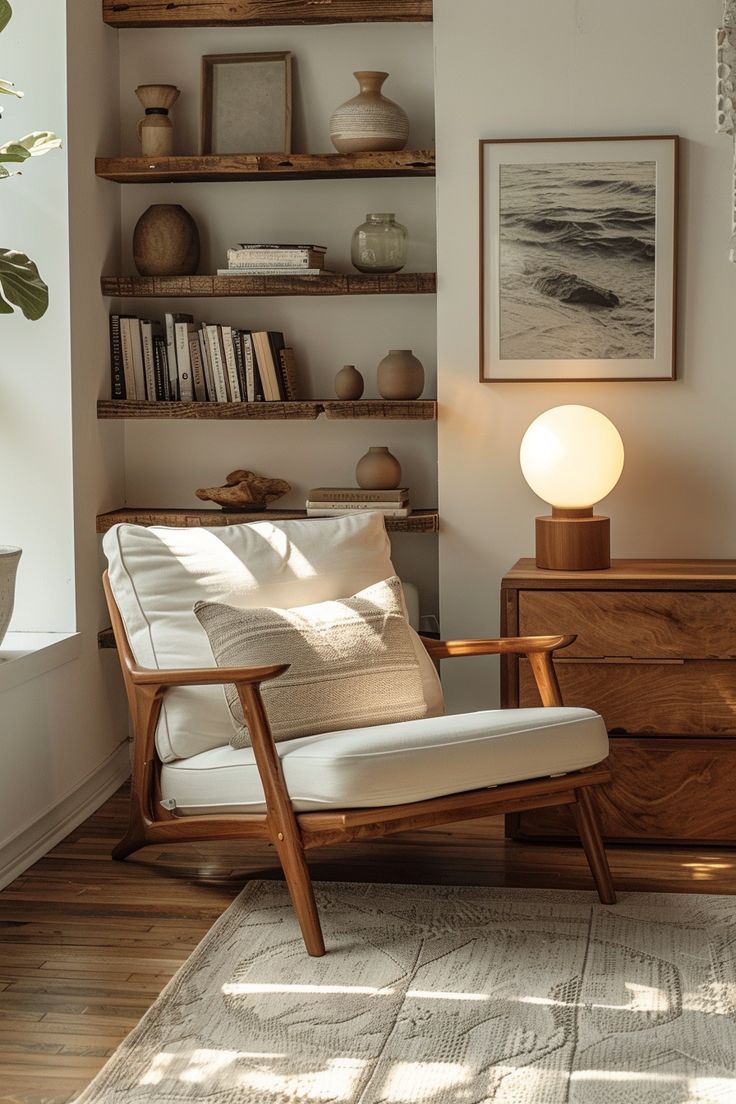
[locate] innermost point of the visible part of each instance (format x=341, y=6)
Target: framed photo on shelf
x=246, y=103
x=578, y=258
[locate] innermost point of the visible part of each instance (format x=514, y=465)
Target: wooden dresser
x=655, y=655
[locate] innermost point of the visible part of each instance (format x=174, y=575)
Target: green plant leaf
x=33, y=145
x=21, y=285
x=5, y=13
x=40, y=142
x=14, y=152
x=7, y=88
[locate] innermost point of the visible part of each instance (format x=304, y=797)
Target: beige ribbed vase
x=369, y=122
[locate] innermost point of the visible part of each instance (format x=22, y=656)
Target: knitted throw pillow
x=352, y=660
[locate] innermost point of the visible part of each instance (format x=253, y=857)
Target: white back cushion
x=157, y=574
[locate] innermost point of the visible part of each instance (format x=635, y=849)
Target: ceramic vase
x=378, y=470
x=379, y=244
x=155, y=132
x=9, y=557
x=369, y=121
x=166, y=242
x=349, y=383
x=400, y=375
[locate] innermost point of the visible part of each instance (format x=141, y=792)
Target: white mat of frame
x=445, y=995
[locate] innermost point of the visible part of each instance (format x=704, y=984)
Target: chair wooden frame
x=293, y=833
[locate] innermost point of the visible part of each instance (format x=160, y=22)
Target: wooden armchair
x=293, y=833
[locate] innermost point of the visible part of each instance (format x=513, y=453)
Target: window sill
x=26, y=655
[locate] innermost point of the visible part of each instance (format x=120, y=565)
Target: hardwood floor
x=87, y=944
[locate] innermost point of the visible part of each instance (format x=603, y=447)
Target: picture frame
x=578, y=258
x=246, y=103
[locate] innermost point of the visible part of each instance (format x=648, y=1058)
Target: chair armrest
x=537, y=649
x=508, y=645
x=204, y=676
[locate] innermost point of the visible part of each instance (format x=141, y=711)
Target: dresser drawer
x=639, y=624
x=662, y=790
x=697, y=698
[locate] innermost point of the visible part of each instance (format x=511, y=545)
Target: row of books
x=327, y=501
x=176, y=360
x=249, y=259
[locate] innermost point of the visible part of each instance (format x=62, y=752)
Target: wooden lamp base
x=573, y=540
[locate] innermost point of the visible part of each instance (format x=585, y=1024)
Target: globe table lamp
x=572, y=457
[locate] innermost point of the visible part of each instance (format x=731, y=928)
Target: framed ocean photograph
x=578, y=258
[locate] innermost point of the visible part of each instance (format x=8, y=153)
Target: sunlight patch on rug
x=445, y=995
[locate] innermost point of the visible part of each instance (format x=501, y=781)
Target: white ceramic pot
x=9, y=558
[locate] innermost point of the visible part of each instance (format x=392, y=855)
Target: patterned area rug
x=445, y=995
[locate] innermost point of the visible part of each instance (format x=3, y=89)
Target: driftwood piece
x=244, y=490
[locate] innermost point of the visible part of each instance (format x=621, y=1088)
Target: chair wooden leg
x=586, y=820
x=299, y=883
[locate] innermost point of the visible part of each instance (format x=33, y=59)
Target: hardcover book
x=117, y=376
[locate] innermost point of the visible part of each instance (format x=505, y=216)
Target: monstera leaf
x=5, y=13
x=21, y=285
x=33, y=145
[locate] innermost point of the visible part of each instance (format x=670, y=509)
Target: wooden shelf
x=419, y=521
x=215, y=287
x=418, y=410
x=264, y=166
x=261, y=13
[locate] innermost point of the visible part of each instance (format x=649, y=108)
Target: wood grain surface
x=209, y=287
x=261, y=13
x=642, y=625
x=693, y=698
x=627, y=575
x=86, y=944
x=662, y=789
x=264, y=166
x=419, y=521
x=417, y=410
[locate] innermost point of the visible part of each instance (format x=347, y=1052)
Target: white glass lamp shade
x=572, y=456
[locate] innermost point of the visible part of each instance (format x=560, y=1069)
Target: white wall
x=580, y=67
x=166, y=462
x=35, y=377
x=64, y=734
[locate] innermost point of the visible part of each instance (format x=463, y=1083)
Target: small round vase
x=166, y=242
x=349, y=383
x=400, y=375
x=369, y=121
x=379, y=244
x=155, y=132
x=9, y=557
x=378, y=470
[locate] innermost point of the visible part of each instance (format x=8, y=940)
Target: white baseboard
x=35, y=839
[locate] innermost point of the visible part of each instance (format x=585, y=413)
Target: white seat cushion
x=395, y=763
x=157, y=574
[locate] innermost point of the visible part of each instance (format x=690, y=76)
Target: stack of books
x=175, y=360
x=274, y=260
x=326, y=501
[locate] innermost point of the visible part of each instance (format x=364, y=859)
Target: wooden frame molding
x=291, y=833
x=261, y=13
